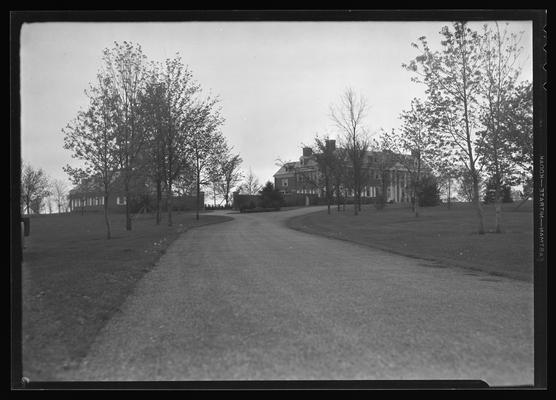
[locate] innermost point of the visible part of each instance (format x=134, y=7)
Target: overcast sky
x=276, y=80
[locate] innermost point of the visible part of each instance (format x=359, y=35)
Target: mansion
x=302, y=177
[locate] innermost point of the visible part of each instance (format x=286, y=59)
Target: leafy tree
x=415, y=145
x=453, y=76
x=154, y=121
x=466, y=187
x=384, y=162
x=428, y=191
x=338, y=176
x=446, y=174
x=93, y=138
x=171, y=102
x=126, y=73
x=34, y=188
x=204, y=142
x=505, y=195
x=500, y=53
x=519, y=134
x=326, y=157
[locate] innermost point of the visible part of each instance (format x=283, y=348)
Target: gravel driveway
x=252, y=299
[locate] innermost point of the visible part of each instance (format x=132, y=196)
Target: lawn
x=74, y=280
x=446, y=236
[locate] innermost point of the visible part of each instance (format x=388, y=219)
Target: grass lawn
x=74, y=280
x=446, y=236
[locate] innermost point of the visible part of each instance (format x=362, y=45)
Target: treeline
x=474, y=126
x=150, y=121
x=40, y=192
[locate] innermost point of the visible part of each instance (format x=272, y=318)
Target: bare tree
x=34, y=188
x=251, y=184
x=348, y=117
x=60, y=192
x=230, y=174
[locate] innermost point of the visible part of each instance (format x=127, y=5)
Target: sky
x=276, y=80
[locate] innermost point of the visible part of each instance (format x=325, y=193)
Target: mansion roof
x=372, y=158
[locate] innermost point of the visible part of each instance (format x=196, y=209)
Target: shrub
x=270, y=197
x=380, y=201
x=428, y=191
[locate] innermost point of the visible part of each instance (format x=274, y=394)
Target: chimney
x=307, y=152
x=331, y=144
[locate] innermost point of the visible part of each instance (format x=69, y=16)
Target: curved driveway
x=252, y=299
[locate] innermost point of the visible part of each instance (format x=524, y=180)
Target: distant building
x=89, y=196
x=303, y=176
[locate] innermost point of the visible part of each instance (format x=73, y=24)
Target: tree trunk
x=158, y=200
x=476, y=198
x=198, y=195
x=449, y=194
x=498, y=208
x=170, y=203
x=477, y=201
x=106, y=219
x=344, y=201
x=416, y=198
x=127, y=212
x=416, y=205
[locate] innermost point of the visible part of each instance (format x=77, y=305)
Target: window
x=285, y=182
x=120, y=200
